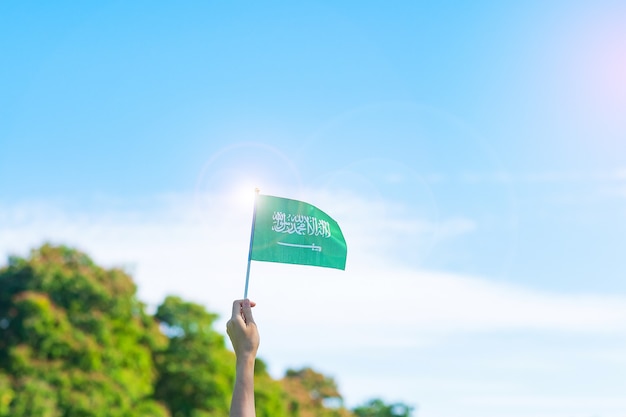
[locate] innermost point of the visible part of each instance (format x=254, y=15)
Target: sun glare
x=243, y=194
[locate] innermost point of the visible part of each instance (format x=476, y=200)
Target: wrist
x=246, y=361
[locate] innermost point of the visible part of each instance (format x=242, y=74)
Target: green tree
x=196, y=371
x=74, y=338
x=312, y=394
x=6, y=395
x=34, y=397
x=378, y=408
x=76, y=342
x=270, y=396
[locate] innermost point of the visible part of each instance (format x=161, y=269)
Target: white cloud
x=197, y=248
x=201, y=254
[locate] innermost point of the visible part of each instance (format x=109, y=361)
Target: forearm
x=242, y=404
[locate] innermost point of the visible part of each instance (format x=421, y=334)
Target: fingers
x=242, y=329
x=243, y=309
x=236, y=309
x=246, y=311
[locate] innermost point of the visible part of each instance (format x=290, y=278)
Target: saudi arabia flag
x=294, y=232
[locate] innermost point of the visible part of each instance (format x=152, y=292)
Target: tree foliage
x=378, y=408
x=76, y=342
x=196, y=371
x=309, y=392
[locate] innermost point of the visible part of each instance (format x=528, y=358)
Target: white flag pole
x=245, y=292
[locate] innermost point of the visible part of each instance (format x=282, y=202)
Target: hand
x=242, y=330
x=244, y=336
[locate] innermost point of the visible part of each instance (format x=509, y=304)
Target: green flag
x=294, y=232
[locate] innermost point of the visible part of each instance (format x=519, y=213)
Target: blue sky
x=474, y=154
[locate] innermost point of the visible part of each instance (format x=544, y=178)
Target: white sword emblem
x=312, y=246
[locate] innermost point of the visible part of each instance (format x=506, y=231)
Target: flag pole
x=245, y=291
